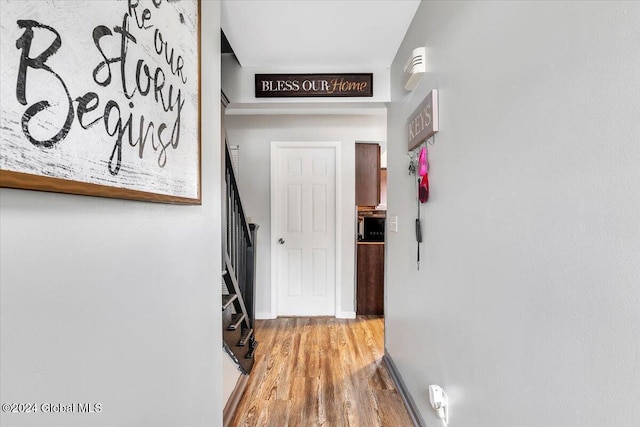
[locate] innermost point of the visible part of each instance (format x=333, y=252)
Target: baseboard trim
x=234, y=399
x=409, y=403
x=264, y=315
x=346, y=315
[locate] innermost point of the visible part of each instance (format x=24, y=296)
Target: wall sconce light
x=415, y=68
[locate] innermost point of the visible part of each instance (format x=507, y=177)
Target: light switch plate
x=393, y=223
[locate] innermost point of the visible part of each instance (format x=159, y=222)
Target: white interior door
x=304, y=238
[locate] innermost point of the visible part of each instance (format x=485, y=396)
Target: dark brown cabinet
x=367, y=174
x=383, y=186
x=370, y=279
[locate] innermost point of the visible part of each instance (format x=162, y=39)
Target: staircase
x=238, y=284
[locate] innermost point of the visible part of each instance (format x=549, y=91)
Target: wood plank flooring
x=320, y=372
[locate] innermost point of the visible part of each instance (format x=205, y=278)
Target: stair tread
x=236, y=319
x=252, y=350
x=227, y=300
x=247, y=333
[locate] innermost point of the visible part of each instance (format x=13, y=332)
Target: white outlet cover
x=393, y=224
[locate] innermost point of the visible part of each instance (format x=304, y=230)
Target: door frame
x=337, y=150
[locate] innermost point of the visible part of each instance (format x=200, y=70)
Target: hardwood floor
x=321, y=372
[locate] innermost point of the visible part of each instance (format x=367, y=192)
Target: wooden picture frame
x=102, y=99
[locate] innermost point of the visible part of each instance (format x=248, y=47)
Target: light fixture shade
x=415, y=68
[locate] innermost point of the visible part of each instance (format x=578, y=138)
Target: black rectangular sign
x=314, y=85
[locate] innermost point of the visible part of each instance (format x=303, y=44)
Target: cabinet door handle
x=281, y=241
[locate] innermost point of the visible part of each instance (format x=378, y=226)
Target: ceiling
x=296, y=34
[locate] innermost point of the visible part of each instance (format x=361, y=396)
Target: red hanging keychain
x=423, y=188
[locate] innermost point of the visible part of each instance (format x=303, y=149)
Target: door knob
x=281, y=241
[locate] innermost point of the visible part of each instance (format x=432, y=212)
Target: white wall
x=526, y=308
x=254, y=135
x=230, y=376
x=114, y=301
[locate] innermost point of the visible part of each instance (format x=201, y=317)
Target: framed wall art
x=101, y=98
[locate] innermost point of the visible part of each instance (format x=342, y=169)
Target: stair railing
x=239, y=267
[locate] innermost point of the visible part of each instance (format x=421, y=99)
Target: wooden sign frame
x=102, y=101
x=423, y=122
x=313, y=85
